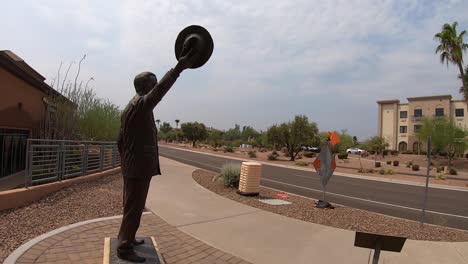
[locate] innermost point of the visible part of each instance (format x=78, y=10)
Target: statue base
x=148, y=250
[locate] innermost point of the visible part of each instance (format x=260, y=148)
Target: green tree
x=355, y=141
x=215, y=138
x=273, y=136
x=451, y=48
x=249, y=134
x=294, y=134
x=177, y=123
x=378, y=145
x=346, y=141
x=232, y=134
x=165, y=128
x=445, y=136
x=194, y=131
x=158, y=121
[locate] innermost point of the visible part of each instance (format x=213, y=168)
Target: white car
x=355, y=151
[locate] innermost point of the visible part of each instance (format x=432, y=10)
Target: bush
x=389, y=162
x=252, y=154
x=440, y=176
x=377, y=164
x=228, y=149
x=361, y=170
x=394, y=152
x=396, y=163
x=230, y=173
x=382, y=171
x=302, y=163
x=343, y=156
x=370, y=170
x=385, y=152
x=275, y=153
x=262, y=150
x=440, y=169
x=272, y=157
x=453, y=171
x=415, y=167
x=309, y=154
x=389, y=171
x=407, y=152
x=371, y=152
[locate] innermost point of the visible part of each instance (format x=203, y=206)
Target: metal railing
x=56, y=160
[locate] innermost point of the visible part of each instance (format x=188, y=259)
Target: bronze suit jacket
x=138, y=136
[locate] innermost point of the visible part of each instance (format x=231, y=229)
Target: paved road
x=445, y=207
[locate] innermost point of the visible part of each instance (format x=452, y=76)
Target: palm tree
x=452, y=47
x=157, y=121
x=177, y=127
x=177, y=123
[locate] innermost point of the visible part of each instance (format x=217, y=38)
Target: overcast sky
x=329, y=60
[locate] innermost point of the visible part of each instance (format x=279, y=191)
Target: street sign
x=325, y=164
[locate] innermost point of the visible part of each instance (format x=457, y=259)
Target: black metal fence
x=13, y=151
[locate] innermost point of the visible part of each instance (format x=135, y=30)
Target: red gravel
x=76, y=203
x=340, y=217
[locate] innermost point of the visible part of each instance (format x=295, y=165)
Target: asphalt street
x=444, y=207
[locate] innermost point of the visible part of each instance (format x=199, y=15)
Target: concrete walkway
x=263, y=237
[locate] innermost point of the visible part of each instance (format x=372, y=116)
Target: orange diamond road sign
x=317, y=163
x=334, y=138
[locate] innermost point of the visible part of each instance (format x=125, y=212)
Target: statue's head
x=144, y=82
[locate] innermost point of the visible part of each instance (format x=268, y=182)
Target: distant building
x=399, y=122
x=24, y=110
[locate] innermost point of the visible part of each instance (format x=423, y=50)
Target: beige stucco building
x=399, y=121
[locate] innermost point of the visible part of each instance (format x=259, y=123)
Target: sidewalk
x=263, y=237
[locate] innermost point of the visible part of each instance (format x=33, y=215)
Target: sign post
x=429, y=143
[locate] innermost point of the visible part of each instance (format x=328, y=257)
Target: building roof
x=389, y=101
x=17, y=66
x=436, y=97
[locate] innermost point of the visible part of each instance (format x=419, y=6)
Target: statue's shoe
x=138, y=242
x=130, y=255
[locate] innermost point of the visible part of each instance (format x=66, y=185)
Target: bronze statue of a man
x=138, y=142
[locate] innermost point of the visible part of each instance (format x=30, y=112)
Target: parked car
x=355, y=151
x=310, y=148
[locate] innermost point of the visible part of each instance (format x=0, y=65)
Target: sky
x=329, y=60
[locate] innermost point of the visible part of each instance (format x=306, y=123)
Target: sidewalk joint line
x=221, y=218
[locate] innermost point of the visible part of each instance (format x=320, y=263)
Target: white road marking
x=336, y=194
x=366, y=200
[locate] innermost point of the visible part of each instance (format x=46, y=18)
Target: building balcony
x=417, y=118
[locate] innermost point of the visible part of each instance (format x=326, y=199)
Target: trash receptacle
x=249, y=183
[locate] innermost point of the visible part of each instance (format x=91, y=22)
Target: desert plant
x=370, y=170
x=361, y=170
x=389, y=171
x=396, y=163
x=252, y=154
x=309, y=154
x=440, y=169
x=343, y=156
x=302, y=163
x=415, y=167
x=389, y=162
x=453, y=171
x=382, y=171
x=272, y=157
x=275, y=153
x=440, y=176
x=230, y=173
x=228, y=149
x=377, y=164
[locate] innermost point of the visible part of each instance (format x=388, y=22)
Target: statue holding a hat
x=138, y=140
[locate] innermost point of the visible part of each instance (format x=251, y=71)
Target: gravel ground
x=76, y=203
x=340, y=217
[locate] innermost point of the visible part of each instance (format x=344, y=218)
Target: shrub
x=262, y=150
x=385, y=152
x=275, y=153
x=443, y=154
x=382, y=171
x=228, y=149
x=394, y=152
x=440, y=169
x=272, y=157
x=377, y=164
x=252, y=154
x=230, y=173
x=299, y=156
x=407, y=152
x=302, y=163
x=453, y=171
x=389, y=162
x=396, y=163
x=365, y=154
x=440, y=176
x=389, y=171
x=415, y=167
x=309, y=154
x=343, y=156
x=370, y=170
x=372, y=152
x=361, y=170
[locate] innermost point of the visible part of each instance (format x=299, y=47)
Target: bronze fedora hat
x=203, y=44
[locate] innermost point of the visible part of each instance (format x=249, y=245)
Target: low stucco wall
x=23, y=196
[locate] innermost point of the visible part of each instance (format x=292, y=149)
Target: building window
x=403, y=114
x=417, y=112
x=403, y=129
x=417, y=128
x=459, y=112
x=439, y=112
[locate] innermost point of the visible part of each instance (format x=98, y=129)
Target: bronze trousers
x=134, y=199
